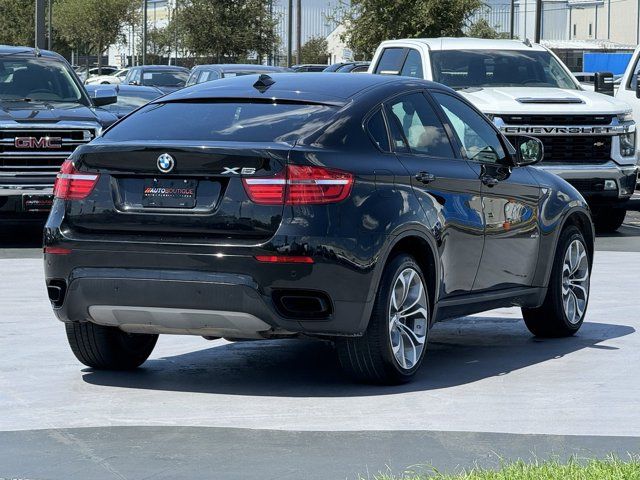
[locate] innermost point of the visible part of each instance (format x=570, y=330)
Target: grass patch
x=611, y=468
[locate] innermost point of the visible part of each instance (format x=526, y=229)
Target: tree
x=482, y=29
x=93, y=25
x=228, y=29
x=369, y=22
x=17, y=22
x=315, y=50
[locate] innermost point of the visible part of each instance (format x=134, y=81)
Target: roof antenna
x=263, y=83
x=36, y=52
x=527, y=42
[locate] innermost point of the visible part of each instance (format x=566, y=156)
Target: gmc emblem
x=35, y=143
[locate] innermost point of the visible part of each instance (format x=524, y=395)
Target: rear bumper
x=589, y=180
x=214, y=294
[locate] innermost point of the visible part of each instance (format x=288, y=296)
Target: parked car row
x=157, y=74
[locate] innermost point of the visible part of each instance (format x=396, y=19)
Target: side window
x=391, y=60
x=480, y=141
x=633, y=81
x=397, y=137
x=421, y=126
x=137, y=76
x=412, y=65
x=192, y=79
x=378, y=131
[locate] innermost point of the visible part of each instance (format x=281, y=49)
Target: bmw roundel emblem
x=166, y=163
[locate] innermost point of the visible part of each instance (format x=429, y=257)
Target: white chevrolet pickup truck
x=589, y=138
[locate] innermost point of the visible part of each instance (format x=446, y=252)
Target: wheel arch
x=577, y=216
x=581, y=219
x=423, y=248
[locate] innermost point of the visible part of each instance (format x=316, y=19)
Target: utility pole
x=144, y=32
x=512, y=14
x=290, y=34
x=299, y=31
x=40, y=41
x=538, y=34
x=50, y=27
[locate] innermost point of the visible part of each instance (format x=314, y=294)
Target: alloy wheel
x=408, y=318
x=575, y=281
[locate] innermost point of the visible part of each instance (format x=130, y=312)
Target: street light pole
x=40, y=41
x=175, y=30
x=290, y=34
x=298, y=31
x=144, y=32
x=538, y=33
x=50, y=27
x=512, y=14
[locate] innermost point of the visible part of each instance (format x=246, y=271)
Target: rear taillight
x=300, y=185
x=72, y=184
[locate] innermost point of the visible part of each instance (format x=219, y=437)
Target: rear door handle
x=489, y=181
x=425, y=177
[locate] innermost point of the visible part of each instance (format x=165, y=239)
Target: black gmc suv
x=45, y=113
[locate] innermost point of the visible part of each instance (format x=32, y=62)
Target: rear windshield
x=165, y=78
x=221, y=122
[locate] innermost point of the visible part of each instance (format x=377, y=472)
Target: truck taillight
x=300, y=185
x=73, y=185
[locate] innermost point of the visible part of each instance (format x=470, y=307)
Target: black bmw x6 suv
x=360, y=209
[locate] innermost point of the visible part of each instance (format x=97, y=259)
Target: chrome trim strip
x=25, y=154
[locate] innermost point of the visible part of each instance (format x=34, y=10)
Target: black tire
x=109, y=348
x=550, y=319
x=370, y=358
x=608, y=220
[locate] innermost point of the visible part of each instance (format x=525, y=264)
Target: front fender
x=556, y=211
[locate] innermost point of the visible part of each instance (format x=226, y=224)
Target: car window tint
x=378, y=131
x=224, y=121
x=412, y=65
x=421, y=126
x=390, y=61
x=480, y=141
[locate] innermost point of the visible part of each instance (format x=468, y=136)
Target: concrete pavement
x=283, y=409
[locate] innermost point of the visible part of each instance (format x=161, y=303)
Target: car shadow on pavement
x=460, y=352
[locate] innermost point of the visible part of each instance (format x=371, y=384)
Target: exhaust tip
x=303, y=305
x=56, y=290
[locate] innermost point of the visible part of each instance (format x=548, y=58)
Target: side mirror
x=529, y=152
x=104, y=96
x=134, y=82
x=638, y=86
x=604, y=83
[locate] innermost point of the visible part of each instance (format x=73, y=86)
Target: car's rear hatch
x=176, y=168
x=201, y=196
